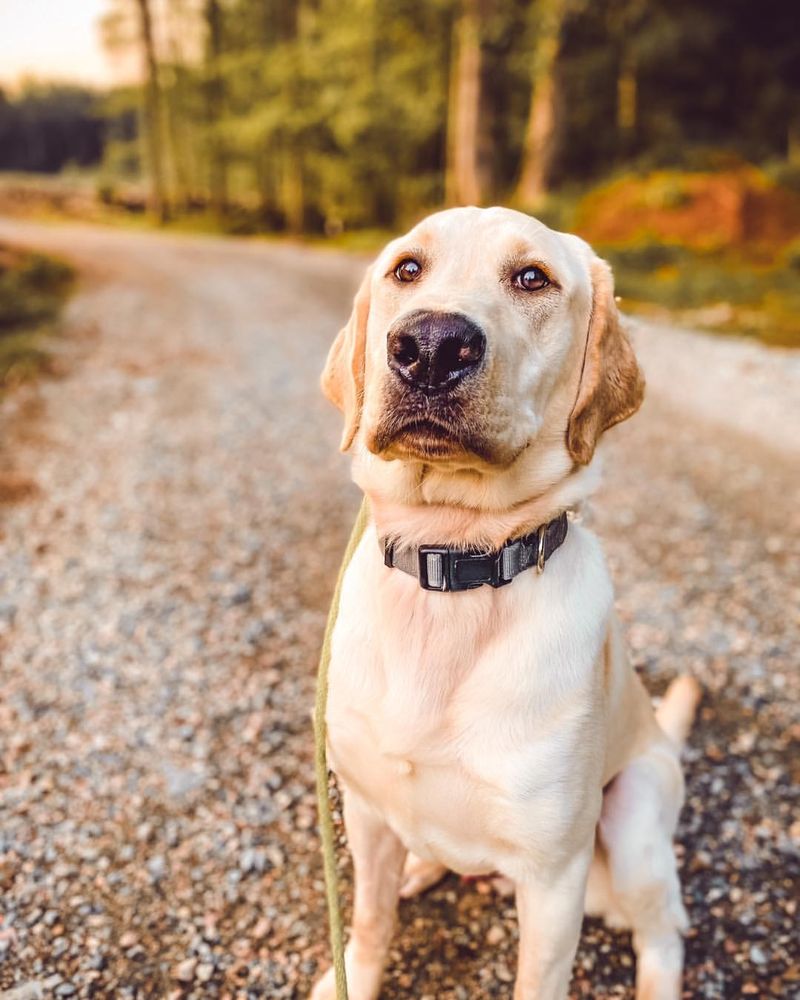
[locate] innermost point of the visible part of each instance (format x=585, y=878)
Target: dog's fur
x=498, y=730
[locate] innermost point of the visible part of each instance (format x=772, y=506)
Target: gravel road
x=172, y=510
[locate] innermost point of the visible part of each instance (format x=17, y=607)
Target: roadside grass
x=33, y=289
x=717, y=291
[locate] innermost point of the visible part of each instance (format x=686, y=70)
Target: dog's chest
x=463, y=795
x=475, y=759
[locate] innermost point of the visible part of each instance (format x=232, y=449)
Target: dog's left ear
x=612, y=384
x=342, y=378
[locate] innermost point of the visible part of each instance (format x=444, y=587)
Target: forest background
x=665, y=132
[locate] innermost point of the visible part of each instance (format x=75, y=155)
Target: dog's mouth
x=427, y=438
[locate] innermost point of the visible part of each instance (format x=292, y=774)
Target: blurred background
x=189, y=193
x=666, y=133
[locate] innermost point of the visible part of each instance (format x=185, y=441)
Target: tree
x=538, y=150
x=215, y=106
x=153, y=115
x=462, y=181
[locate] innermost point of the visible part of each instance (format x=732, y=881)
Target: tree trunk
x=215, y=100
x=627, y=104
x=462, y=178
x=293, y=195
x=153, y=113
x=291, y=146
x=540, y=135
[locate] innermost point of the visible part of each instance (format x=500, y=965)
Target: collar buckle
x=443, y=569
x=434, y=567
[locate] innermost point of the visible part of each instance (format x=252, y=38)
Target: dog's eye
x=531, y=279
x=408, y=270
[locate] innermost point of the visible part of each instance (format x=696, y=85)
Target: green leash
x=321, y=764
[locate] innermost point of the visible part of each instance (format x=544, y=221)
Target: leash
x=324, y=807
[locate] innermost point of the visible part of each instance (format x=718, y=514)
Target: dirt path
x=161, y=606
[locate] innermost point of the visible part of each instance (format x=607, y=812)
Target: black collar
x=442, y=568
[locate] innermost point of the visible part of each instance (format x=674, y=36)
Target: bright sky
x=53, y=39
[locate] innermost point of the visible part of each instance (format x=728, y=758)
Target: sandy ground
x=173, y=510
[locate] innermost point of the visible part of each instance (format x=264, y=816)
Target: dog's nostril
x=405, y=350
x=454, y=353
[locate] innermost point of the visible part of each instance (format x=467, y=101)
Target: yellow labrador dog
x=483, y=716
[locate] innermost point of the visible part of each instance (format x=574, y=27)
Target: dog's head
x=478, y=334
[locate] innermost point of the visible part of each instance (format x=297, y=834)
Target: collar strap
x=442, y=568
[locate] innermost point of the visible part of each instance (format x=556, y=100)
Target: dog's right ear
x=343, y=376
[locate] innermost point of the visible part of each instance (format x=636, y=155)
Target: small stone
x=504, y=974
x=128, y=939
x=275, y=856
x=8, y=612
x=204, y=972
x=241, y=595
x=66, y=989
x=495, y=935
x=252, y=860
x=60, y=945
x=157, y=867
x=184, y=971
x=27, y=991
x=757, y=955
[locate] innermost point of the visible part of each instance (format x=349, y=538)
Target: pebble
x=495, y=935
x=184, y=971
x=204, y=972
x=157, y=867
x=27, y=991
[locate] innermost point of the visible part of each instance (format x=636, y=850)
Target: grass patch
x=33, y=288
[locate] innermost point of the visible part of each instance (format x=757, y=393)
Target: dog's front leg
x=378, y=858
x=550, y=912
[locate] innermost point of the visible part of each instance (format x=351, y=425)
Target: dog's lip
x=428, y=437
x=422, y=436
x=426, y=425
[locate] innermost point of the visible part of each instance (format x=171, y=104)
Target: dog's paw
x=325, y=988
x=419, y=875
x=363, y=981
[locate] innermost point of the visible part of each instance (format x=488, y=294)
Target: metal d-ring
x=540, y=552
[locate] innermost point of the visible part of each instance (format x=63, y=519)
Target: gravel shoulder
x=161, y=609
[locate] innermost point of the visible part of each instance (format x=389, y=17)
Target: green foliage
x=317, y=115
x=48, y=127
x=715, y=290
x=32, y=290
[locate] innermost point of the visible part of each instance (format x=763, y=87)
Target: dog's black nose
x=433, y=351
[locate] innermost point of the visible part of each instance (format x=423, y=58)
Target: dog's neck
x=451, y=524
